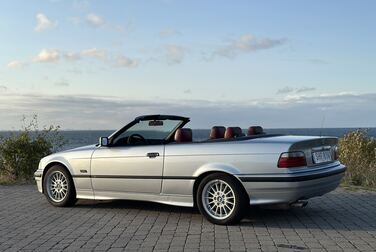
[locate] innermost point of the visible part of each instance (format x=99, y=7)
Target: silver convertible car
x=153, y=158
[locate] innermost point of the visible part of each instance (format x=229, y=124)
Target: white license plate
x=322, y=156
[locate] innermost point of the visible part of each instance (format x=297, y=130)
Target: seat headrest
x=217, y=132
x=255, y=130
x=183, y=135
x=232, y=132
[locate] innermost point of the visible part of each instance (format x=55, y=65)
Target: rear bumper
x=288, y=188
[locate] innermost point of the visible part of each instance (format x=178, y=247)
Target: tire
x=58, y=187
x=221, y=199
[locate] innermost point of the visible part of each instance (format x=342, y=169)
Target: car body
x=161, y=167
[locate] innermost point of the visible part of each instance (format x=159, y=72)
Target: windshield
x=147, y=131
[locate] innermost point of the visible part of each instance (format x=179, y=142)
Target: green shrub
x=20, y=153
x=358, y=152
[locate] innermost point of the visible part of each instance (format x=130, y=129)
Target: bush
x=21, y=152
x=358, y=152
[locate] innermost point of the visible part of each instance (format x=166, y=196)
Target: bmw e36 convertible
x=154, y=158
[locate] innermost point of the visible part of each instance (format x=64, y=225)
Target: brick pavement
x=340, y=221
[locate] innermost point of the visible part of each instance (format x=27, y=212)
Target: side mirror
x=103, y=141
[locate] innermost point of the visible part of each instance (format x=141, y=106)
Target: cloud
x=81, y=112
x=16, y=64
x=72, y=56
x=62, y=83
x=94, y=20
x=305, y=89
x=169, y=32
x=47, y=55
x=289, y=90
x=175, y=54
x=123, y=61
x=285, y=90
x=96, y=53
x=187, y=91
x=44, y=23
x=245, y=44
x=3, y=88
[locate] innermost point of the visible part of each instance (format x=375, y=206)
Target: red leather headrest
x=183, y=135
x=255, y=130
x=232, y=132
x=217, y=132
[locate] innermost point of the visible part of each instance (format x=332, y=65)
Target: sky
x=87, y=64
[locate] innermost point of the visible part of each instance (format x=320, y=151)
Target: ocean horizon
x=76, y=138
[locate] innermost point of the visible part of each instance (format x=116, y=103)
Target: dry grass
x=358, y=152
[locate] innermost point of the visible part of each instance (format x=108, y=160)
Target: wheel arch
x=50, y=165
x=207, y=173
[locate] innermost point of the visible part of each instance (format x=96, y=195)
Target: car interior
x=185, y=135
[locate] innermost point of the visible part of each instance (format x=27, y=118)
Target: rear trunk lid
x=318, y=150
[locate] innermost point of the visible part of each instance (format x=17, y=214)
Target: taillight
x=292, y=159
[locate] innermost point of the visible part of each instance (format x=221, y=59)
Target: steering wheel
x=135, y=137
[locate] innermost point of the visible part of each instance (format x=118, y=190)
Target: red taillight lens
x=292, y=159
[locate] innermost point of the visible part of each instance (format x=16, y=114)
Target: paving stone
x=339, y=221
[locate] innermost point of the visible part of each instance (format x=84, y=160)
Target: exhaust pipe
x=299, y=203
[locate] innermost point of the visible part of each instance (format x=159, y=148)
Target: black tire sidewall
x=70, y=198
x=240, y=199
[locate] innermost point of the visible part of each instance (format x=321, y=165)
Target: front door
x=132, y=163
x=127, y=169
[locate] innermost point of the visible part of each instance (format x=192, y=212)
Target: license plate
x=322, y=156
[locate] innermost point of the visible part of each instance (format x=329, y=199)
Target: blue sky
x=97, y=64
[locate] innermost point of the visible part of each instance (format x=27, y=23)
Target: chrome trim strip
x=135, y=177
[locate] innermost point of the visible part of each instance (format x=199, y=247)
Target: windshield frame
x=183, y=121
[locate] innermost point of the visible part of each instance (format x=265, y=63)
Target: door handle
x=152, y=154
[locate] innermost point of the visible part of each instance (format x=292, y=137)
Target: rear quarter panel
x=233, y=157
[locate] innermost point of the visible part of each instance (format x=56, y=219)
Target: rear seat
x=183, y=135
x=233, y=132
x=255, y=130
x=217, y=132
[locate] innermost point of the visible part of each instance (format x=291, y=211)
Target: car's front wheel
x=221, y=199
x=58, y=187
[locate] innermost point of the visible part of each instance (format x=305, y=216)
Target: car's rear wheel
x=221, y=199
x=58, y=187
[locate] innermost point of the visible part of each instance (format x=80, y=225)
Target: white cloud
x=175, y=54
x=16, y=64
x=341, y=110
x=47, y=55
x=123, y=61
x=245, y=44
x=96, y=53
x=72, y=56
x=44, y=23
x=289, y=90
x=95, y=20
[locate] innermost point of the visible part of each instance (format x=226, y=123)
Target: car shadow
x=341, y=215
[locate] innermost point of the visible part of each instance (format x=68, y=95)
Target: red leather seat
x=232, y=132
x=183, y=135
x=217, y=132
x=255, y=130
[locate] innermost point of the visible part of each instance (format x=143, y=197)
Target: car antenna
x=322, y=123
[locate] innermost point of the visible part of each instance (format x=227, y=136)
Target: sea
x=77, y=138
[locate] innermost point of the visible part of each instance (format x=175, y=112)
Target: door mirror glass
x=103, y=141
